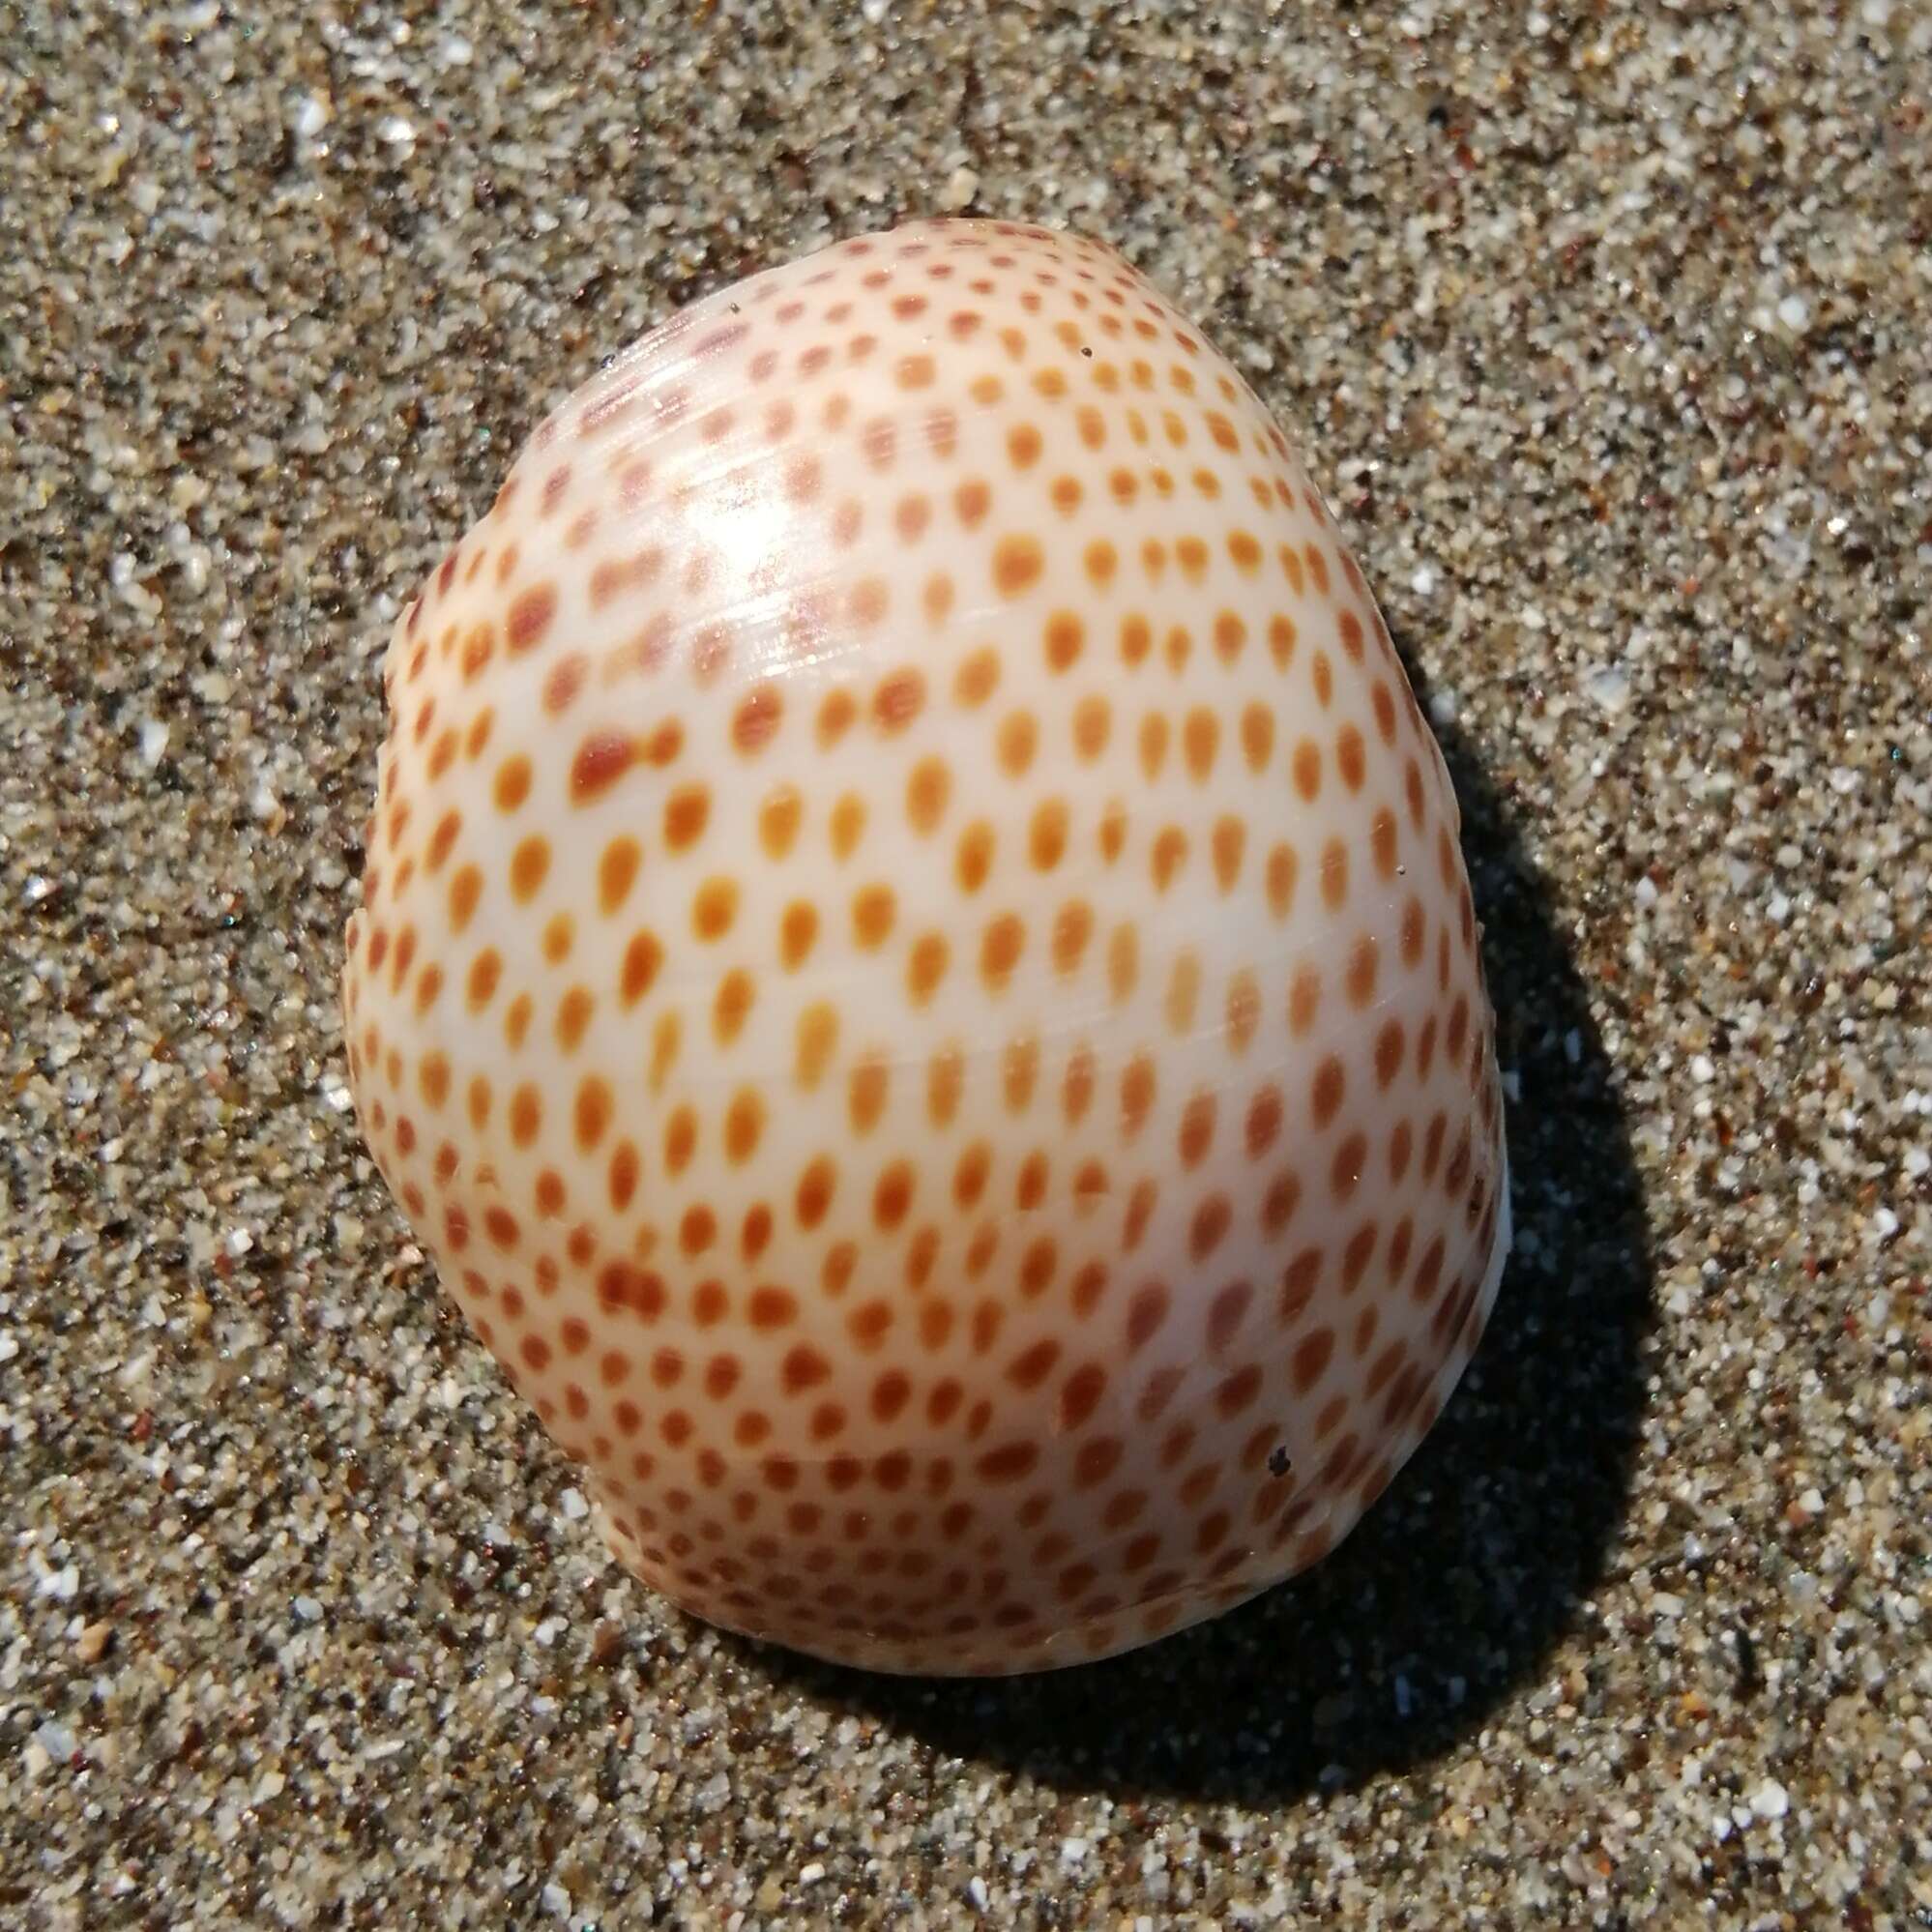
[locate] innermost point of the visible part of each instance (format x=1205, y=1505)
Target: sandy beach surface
x=1605, y=329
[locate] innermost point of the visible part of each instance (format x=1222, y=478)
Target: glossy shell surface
x=916, y=974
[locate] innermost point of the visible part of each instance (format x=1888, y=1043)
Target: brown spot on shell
x=531, y=612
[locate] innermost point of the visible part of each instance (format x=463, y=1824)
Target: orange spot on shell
x=1064, y=637
x=642, y=958
x=778, y=820
x=1017, y=564
x=715, y=908
x=797, y=932
x=592, y=1111
x=686, y=813
x=465, y=890
x=616, y=871
x=1000, y=946
x=529, y=865
x=817, y=1040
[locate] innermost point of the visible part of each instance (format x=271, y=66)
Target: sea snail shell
x=915, y=969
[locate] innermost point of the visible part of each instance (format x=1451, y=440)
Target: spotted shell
x=915, y=969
